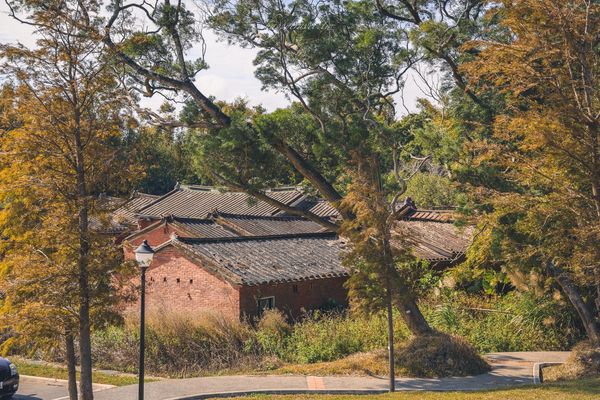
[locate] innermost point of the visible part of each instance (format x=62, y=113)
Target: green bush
x=513, y=322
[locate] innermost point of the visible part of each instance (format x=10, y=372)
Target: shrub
x=438, y=355
x=514, y=322
x=272, y=333
x=583, y=362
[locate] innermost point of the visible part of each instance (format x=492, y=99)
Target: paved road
x=509, y=369
x=33, y=388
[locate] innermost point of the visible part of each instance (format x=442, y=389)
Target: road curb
x=538, y=375
x=246, y=393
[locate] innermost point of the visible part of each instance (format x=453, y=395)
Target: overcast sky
x=231, y=73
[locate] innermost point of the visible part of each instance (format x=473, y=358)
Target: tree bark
x=85, y=347
x=412, y=316
x=570, y=290
x=71, y=362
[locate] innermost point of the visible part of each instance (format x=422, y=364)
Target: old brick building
x=230, y=254
x=240, y=276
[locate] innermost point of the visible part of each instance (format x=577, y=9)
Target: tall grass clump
x=330, y=336
x=513, y=322
x=179, y=345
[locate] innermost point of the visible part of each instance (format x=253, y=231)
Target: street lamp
x=143, y=255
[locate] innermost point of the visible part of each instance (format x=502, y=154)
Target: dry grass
x=438, y=355
x=435, y=355
x=583, y=362
x=373, y=363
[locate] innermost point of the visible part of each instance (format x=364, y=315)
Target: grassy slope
x=57, y=372
x=572, y=390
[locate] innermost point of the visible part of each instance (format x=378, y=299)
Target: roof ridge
x=257, y=238
x=434, y=209
x=159, y=198
x=266, y=217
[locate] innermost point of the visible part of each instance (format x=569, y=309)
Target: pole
x=142, y=335
x=390, y=323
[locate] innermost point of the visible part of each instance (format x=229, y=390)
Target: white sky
x=231, y=73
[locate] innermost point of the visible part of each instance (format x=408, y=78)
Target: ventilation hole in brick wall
x=165, y=279
x=151, y=279
x=191, y=281
x=178, y=280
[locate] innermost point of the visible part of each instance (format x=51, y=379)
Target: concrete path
x=509, y=369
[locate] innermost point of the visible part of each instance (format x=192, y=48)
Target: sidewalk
x=509, y=369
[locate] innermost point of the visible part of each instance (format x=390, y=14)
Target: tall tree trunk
x=595, y=178
x=71, y=362
x=85, y=347
x=570, y=289
x=412, y=316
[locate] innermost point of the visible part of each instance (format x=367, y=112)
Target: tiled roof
x=433, y=241
x=203, y=228
x=319, y=207
x=126, y=213
x=263, y=226
x=258, y=260
x=430, y=215
x=199, y=201
x=120, y=215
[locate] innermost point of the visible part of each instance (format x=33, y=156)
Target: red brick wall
x=310, y=295
x=196, y=292
x=155, y=237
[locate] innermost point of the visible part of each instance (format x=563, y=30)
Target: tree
x=546, y=141
x=54, y=167
x=341, y=61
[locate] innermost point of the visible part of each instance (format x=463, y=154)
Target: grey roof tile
x=259, y=260
x=199, y=201
x=432, y=240
x=263, y=226
x=203, y=228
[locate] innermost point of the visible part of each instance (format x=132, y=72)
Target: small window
x=295, y=288
x=178, y=280
x=191, y=281
x=165, y=279
x=265, y=303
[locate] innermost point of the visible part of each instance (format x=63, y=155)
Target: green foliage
x=327, y=337
x=240, y=153
x=163, y=158
x=514, y=322
x=431, y=191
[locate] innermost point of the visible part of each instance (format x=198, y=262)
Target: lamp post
x=143, y=255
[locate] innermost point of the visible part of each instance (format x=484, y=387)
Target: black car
x=9, y=379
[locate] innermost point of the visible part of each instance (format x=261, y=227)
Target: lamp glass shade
x=144, y=254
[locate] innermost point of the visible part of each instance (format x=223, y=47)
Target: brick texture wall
x=296, y=297
x=155, y=237
x=176, y=284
